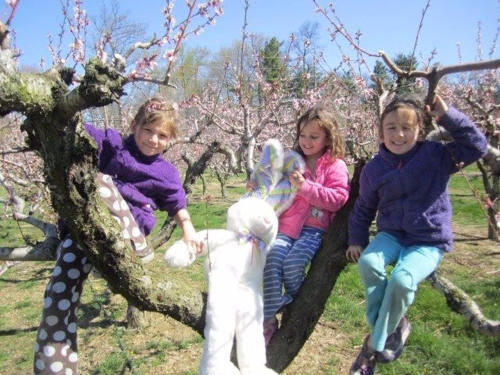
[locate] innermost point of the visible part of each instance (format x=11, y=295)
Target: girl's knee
x=402, y=284
x=369, y=262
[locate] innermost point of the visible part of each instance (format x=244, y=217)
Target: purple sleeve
x=109, y=141
x=469, y=142
x=171, y=197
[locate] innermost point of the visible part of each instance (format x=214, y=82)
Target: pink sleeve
x=333, y=193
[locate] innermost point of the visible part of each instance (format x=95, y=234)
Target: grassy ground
x=441, y=341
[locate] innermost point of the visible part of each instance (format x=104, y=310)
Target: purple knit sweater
x=410, y=191
x=147, y=183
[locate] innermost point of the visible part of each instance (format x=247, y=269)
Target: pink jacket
x=318, y=199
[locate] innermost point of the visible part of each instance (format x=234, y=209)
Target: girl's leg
x=56, y=340
x=414, y=265
x=298, y=257
x=120, y=211
x=273, y=276
x=383, y=250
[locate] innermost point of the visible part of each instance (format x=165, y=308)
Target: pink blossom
x=202, y=8
x=169, y=55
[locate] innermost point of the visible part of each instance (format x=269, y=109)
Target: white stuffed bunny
x=234, y=268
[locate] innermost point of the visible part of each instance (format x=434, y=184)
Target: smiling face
x=151, y=138
x=400, y=130
x=313, y=140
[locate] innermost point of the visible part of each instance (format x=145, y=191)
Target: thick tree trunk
x=304, y=312
x=136, y=319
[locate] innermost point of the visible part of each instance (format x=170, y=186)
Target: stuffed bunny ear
x=267, y=171
x=281, y=195
x=270, y=176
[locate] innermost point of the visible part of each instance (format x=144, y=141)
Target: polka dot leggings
x=56, y=350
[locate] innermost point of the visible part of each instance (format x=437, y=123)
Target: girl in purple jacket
x=321, y=191
x=406, y=185
x=134, y=181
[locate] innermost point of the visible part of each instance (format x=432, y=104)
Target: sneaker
x=270, y=328
x=143, y=251
x=365, y=361
x=395, y=342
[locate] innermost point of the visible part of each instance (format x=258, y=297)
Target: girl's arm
x=469, y=142
x=333, y=193
x=183, y=220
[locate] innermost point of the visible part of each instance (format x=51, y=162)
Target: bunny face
x=255, y=217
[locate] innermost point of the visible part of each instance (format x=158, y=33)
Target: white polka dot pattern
x=73, y=273
x=49, y=350
x=104, y=192
x=56, y=338
x=59, y=336
x=69, y=257
x=51, y=320
x=59, y=287
x=67, y=243
x=56, y=366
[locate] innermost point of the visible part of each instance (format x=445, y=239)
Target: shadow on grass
x=39, y=275
x=467, y=237
x=105, y=323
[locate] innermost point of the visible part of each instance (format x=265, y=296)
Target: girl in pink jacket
x=321, y=191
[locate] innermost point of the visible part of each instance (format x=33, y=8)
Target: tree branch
x=461, y=303
x=435, y=74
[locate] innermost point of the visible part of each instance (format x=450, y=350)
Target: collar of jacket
x=398, y=160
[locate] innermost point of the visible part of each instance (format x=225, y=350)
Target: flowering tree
x=242, y=104
x=51, y=104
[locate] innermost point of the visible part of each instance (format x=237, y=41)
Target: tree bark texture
x=461, y=303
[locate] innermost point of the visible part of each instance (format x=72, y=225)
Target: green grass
x=441, y=342
x=467, y=210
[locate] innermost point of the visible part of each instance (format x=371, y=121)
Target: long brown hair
x=327, y=121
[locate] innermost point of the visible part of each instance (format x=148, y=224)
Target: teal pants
x=388, y=299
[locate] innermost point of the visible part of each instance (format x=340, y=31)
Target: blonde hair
x=327, y=121
x=159, y=111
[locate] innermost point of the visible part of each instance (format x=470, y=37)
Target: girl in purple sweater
x=134, y=181
x=406, y=185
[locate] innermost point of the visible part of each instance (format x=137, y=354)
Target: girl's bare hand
x=353, y=253
x=438, y=108
x=296, y=179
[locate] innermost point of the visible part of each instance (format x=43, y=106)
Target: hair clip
x=155, y=105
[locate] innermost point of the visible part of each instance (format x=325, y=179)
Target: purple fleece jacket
x=410, y=191
x=147, y=183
